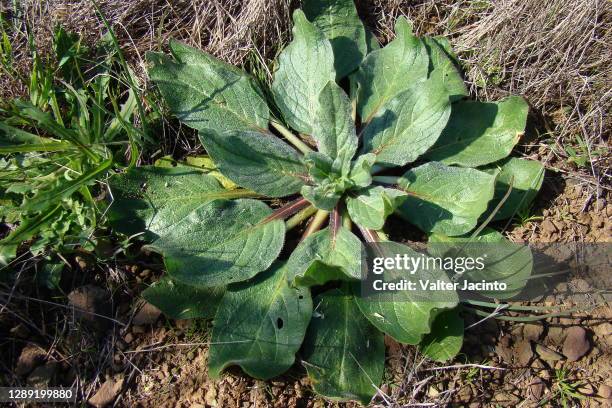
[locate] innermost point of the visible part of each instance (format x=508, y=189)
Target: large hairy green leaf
x=504, y=261
x=205, y=93
x=441, y=58
x=371, y=206
x=338, y=20
x=386, y=72
x=443, y=199
x=305, y=67
x=343, y=353
x=259, y=161
x=405, y=315
x=325, y=256
x=479, y=133
x=525, y=177
x=260, y=325
x=334, y=129
x=221, y=242
x=179, y=301
x=409, y=124
x=446, y=337
x=154, y=199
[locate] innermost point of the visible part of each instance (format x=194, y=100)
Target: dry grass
x=556, y=54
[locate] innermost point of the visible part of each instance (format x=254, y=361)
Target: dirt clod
x=547, y=354
x=537, y=388
x=147, y=314
x=31, y=356
x=576, y=343
x=107, y=393
x=605, y=391
x=91, y=303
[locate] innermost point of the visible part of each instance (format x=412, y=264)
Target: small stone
x=31, y=356
x=603, y=331
x=576, y=343
x=138, y=329
x=548, y=227
x=586, y=389
x=107, y=393
x=533, y=331
x=147, y=314
x=523, y=353
x=547, y=354
x=433, y=392
x=537, y=388
x=90, y=302
x=556, y=335
x=128, y=338
x=605, y=391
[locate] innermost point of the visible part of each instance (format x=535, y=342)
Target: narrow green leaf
x=258, y=161
x=409, y=124
x=343, y=353
x=154, y=199
x=221, y=242
x=525, y=176
x=504, y=261
x=49, y=125
x=179, y=301
x=339, y=21
x=205, y=93
x=479, y=133
x=324, y=256
x=371, y=206
x=304, y=69
x=27, y=229
x=260, y=325
x=446, y=200
x=47, y=198
x=14, y=140
x=406, y=315
x=386, y=72
x=334, y=129
x=442, y=59
x=446, y=337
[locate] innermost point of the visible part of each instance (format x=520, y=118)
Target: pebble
x=548, y=226
x=547, y=354
x=605, y=391
x=533, y=331
x=576, y=344
x=523, y=353
x=537, y=388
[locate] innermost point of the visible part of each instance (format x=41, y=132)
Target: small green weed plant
x=60, y=145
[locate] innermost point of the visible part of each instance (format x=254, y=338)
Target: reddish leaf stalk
x=287, y=210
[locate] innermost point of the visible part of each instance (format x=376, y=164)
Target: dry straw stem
x=556, y=53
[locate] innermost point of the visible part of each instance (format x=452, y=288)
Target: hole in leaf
x=279, y=323
x=301, y=297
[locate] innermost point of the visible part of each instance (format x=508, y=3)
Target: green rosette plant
x=341, y=114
